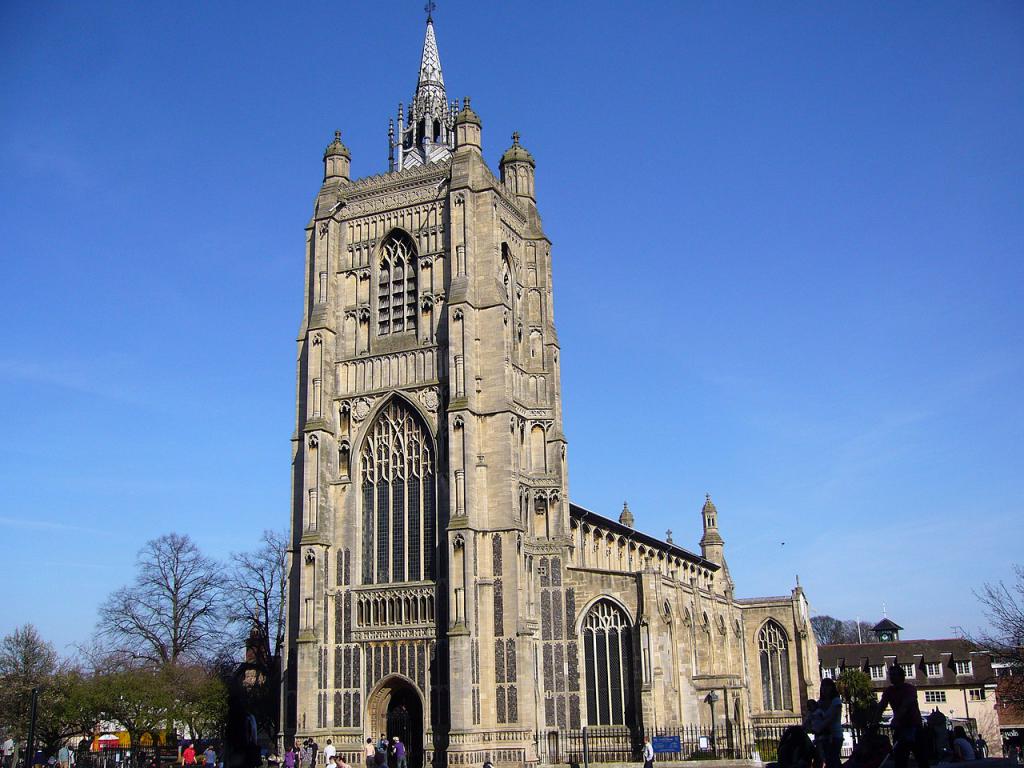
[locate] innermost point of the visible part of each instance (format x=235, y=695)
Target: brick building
x=951, y=675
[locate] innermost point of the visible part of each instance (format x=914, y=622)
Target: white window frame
x=910, y=670
x=976, y=694
x=877, y=671
x=935, y=697
x=933, y=669
x=964, y=667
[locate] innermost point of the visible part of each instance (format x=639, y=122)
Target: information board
x=663, y=744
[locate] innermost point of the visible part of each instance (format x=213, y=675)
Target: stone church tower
x=429, y=459
x=441, y=586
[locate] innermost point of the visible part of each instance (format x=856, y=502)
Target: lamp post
x=711, y=698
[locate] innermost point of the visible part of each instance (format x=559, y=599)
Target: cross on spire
x=515, y=138
x=430, y=7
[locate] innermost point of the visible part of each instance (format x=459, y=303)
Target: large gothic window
x=774, y=653
x=396, y=286
x=398, y=505
x=608, y=659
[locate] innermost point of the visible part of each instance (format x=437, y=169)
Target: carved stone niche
x=426, y=301
x=310, y=556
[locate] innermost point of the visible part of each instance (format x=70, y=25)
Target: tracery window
x=774, y=652
x=396, y=286
x=398, y=498
x=608, y=659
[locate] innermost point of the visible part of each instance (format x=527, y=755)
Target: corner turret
x=517, y=170
x=337, y=160
x=468, y=127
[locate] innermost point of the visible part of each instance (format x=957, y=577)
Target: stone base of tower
x=504, y=748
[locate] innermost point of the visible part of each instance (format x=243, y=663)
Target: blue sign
x=663, y=744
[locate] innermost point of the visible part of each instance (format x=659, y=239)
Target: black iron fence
x=617, y=744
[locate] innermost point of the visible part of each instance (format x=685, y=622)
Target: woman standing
x=829, y=724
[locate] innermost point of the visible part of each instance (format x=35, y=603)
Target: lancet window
x=398, y=498
x=774, y=652
x=396, y=286
x=608, y=659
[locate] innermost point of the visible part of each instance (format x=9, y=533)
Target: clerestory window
x=396, y=286
x=398, y=498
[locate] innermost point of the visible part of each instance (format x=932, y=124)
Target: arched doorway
x=396, y=709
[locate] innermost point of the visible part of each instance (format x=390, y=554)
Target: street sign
x=664, y=744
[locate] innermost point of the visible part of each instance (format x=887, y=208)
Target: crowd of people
x=818, y=742
x=382, y=753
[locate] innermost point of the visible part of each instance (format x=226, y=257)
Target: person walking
x=64, y=756
x=908, y=736
x=188, y=757
x=828, y=725
x=8, y=752
x=209, y=757
x=648, y=753
x=369, y=752
x=399, y=750
x=329, y=752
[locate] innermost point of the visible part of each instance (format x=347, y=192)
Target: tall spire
x=425, y=132
x=430, y=63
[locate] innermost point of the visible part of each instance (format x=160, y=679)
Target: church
x=443, y=587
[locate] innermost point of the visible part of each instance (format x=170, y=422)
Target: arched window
x=397, y=474
x=608, y=658
x=396, y=286
x=774, y=653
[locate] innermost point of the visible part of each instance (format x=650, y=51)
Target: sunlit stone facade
x=442, y=586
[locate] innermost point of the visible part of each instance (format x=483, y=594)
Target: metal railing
x=618, y=744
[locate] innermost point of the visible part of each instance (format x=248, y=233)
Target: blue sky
x=803, y=222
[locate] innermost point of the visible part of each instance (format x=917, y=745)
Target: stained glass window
x=776, y=693
x=397, y=473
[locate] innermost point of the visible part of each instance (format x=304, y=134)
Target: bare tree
x=855, y=631
x=257, y=606
x=27, y=661
x=173, y=610
x=257, y=587
x=1003, y=606
x=827, y=629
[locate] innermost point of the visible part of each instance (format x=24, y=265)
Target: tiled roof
x=916, y=652
x=886, y=624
